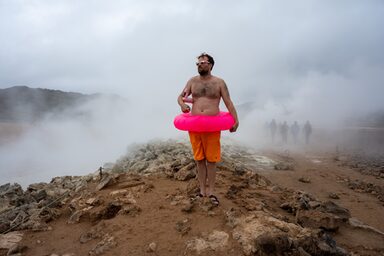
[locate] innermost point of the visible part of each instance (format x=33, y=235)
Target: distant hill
x=24, y=104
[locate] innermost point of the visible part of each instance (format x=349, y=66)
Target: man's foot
x=214, y=200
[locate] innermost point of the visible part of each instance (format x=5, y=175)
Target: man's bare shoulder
x=218, y=80
x=194, y=79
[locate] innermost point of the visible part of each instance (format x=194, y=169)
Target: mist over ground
x=299, y=60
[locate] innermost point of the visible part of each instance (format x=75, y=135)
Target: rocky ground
x=271, y=203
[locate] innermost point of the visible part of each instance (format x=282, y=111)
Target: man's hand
x=188, y=100
x=234, y=127
x=185, y=108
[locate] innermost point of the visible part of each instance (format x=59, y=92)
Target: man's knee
x=211, y=163
x=205, y=162
x=202, y=161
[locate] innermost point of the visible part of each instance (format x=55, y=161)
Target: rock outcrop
x=255, y=217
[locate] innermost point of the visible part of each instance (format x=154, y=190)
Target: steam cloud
x=299, y=60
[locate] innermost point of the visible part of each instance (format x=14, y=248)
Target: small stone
x=105, y=181
x=152, y=247
x=286, y=206
x=275, y=188
x=187, y=207
x=93, y=201
x=211, y=213
x=304, y=180
x=302, y=252
x=10, y=240
x=333, y=196
x=121, y=192
x=183, y=226
x=314, y=204
x=104, y=245
x=17, y=249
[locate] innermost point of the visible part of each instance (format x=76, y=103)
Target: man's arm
x=180, y=100
x=229, y=104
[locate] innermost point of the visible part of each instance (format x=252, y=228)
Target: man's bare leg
x=202, y=176
x=211, y=174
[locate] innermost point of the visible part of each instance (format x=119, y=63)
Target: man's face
x=203, y=66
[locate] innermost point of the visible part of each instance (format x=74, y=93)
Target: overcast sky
x=267, y=51
x=321, y=60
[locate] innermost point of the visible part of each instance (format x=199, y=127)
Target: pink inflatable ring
x=198, y=123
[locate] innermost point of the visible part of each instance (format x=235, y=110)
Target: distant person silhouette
x=273, y=128
x=295, y=129
x=307, y=131
x=284, y=132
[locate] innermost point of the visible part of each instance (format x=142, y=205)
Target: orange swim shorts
x=206, y=145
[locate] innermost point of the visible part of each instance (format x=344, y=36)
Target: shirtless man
x=207, y=91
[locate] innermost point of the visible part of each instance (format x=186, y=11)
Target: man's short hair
x=210, y=58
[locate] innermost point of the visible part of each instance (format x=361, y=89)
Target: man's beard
x=203, y=72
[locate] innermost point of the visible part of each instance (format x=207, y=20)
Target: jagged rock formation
x=151, y=193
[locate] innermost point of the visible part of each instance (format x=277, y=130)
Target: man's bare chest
x=206, y=89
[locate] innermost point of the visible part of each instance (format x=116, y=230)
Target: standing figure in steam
x=307, y=131
x=284, y=132
x=207, y=91
x=273, y=128
x=295, y=129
